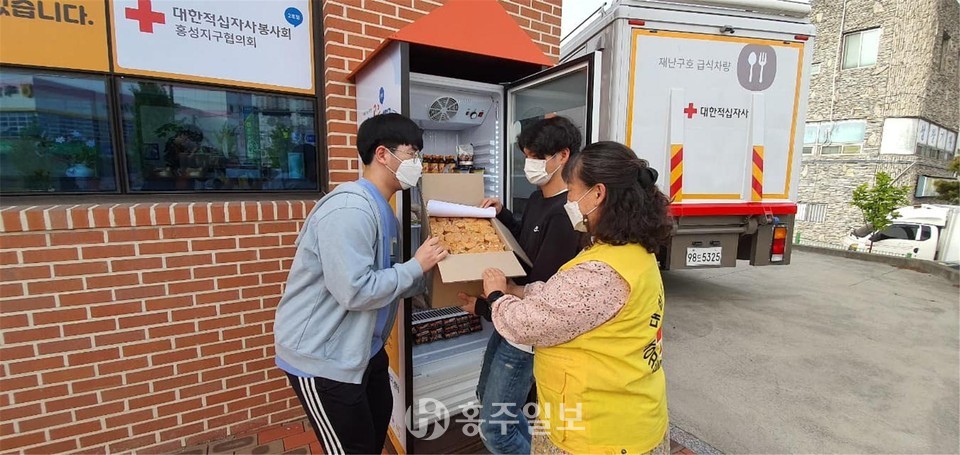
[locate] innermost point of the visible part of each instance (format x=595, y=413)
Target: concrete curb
x=695, y=444
x=933, y=268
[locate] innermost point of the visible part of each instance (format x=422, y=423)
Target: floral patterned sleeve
x=533, y=289
x=573, y=302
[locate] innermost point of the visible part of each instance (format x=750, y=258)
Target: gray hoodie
x=328, y=312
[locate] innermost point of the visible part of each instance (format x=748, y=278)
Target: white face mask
x=409, y=172
x=578, y=218
x=536, y=171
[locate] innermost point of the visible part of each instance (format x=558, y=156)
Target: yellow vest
x=604, y=391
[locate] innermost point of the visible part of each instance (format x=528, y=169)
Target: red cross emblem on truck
x=145, y=15
x=690, y=110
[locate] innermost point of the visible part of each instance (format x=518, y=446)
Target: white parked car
x=927, y=231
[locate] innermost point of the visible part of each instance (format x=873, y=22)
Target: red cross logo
x=690, y=110
x=145, y=15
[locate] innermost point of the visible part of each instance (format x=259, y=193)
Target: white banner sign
x=253, y=43
x=932, y=135
x=942, y=139
x=923, y=129
x=379, y=85
x=899, y=136
x=718, y=98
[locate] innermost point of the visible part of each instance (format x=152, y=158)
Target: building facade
x=151, y=200
x=883, y=98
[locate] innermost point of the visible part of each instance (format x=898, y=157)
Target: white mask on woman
x=409, y=172
x=536, y=171
x=578, y=218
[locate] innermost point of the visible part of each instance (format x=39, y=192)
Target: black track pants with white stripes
x=349, y=418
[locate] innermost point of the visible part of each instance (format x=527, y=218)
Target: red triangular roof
x=480, y=27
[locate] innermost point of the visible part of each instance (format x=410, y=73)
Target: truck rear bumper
x=743, y=237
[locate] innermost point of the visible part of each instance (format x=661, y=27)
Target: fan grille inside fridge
x=443, y=109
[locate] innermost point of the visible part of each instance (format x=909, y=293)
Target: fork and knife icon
x=757, y=58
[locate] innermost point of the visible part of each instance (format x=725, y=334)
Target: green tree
x=879, y=202
x=949, y=190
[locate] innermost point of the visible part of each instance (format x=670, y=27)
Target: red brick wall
x=141, y=326
x=353, y=29
x=148, y=327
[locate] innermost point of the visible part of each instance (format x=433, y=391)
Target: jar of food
x=465, y=154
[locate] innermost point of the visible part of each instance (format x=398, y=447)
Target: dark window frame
x=122, y=193
x=110, y=107
x=118, y=82
x=113, y=84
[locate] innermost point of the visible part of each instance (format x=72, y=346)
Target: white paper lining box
x=464, y=272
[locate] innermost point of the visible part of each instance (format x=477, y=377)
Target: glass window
x=851, y=51
x=897, y=231
x=810, y=133
x=861, y=48
x=564, y=95
x=925, y=233
x=848, y=132
x=835, y=138
x=182, y=138
x=54, y=133
x=869, y=47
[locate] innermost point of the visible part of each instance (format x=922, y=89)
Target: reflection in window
x=54, y=134
x=834, y=138
x=182, y=138
x=565, y=96
x=897, y=231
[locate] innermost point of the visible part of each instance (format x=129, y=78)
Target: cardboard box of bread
x=475, y=239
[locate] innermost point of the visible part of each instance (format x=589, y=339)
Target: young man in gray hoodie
x=341, y=296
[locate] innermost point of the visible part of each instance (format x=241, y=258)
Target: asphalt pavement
x=826, y=355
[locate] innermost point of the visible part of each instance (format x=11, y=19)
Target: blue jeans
x=505, y=380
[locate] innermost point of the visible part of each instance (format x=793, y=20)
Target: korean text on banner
x=264, y=44
x=70, y=34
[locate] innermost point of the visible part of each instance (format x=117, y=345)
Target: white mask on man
x=409, y=172
x=536, y=171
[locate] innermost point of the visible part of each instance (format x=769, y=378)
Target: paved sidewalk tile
x=300, y=439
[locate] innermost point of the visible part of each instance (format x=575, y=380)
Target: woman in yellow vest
x=597, y=324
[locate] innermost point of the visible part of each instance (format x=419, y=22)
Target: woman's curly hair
x=634, y=210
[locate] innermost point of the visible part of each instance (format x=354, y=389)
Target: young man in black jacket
x=549, y=240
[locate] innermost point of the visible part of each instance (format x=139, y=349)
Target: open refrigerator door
x=462, y=134
x=566, y=90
